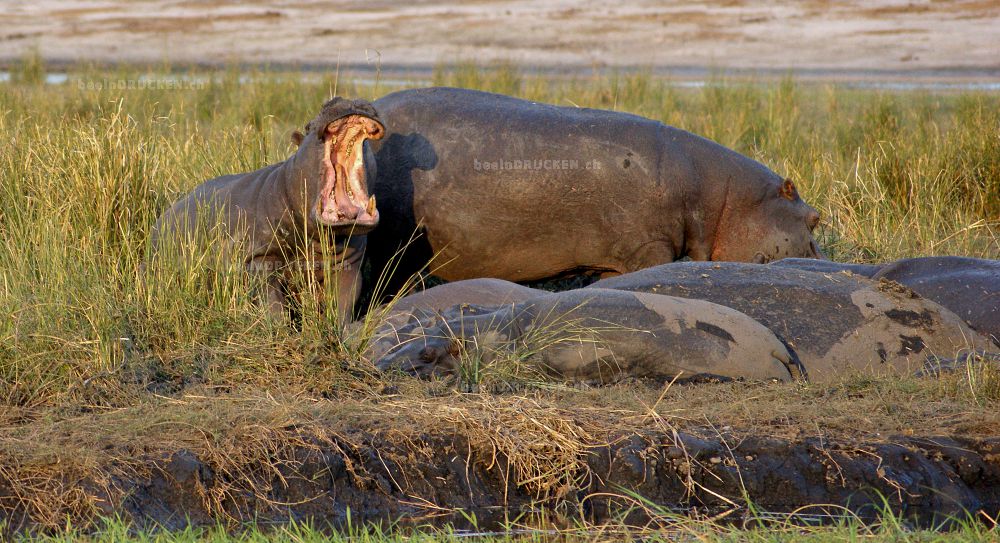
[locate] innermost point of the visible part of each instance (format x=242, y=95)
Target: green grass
x=84, y=173
x=849, y=529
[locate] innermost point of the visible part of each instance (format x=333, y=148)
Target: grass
x=888, y=529
x=96, y=347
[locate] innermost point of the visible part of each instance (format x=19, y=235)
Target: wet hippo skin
x=598, y=336
x=833, y=324
x=970, y=287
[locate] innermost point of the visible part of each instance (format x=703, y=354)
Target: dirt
x=420, y=451
x=835, y=38
x=926, y=480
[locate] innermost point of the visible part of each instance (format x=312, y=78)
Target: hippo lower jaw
x=343, y=200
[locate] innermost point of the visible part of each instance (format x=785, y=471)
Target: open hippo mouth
x=344, y=200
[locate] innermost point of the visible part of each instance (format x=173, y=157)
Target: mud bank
x=422, y=477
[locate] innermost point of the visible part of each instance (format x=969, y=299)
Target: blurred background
x=844, y=40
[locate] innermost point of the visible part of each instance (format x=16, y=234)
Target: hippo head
x=771, y=224
x=424, y=357
x=332, y=160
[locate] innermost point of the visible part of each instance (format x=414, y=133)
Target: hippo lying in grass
x=517, y=190
x=832, y=323
x=969, y=287
x=592, y=335
x=280, y=217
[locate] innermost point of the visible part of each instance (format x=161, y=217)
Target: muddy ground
x=927, y=480
x=823, y=38
x=419, y=452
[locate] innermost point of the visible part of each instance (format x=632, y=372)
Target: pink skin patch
x=344, y=199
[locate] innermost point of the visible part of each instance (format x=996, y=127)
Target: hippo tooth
x=371, y=205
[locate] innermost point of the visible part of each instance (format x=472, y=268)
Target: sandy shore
x=931, y=37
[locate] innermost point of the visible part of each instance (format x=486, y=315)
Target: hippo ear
x=787, y=190
x=297, y=138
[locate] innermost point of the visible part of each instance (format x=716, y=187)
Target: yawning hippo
x=517, y=190
x=280, y=215
x=833, y=323
x=598, y=336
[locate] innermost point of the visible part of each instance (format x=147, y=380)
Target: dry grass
x=538, y=440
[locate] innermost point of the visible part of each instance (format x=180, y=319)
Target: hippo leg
x=274, y=286
x=274, y=298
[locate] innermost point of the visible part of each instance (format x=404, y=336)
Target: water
x=192, y=81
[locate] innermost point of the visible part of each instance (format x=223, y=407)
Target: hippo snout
x=812, y=219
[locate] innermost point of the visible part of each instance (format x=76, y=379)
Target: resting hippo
x=832, y=323
x=517, y=190
x=484, y=291
x=826, y=266
x=600, y=336
x=968, y=286
x=279, y=216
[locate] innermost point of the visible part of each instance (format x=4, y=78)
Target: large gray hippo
x=970, y=287
x=507, y=188
x=280, y=216
x=833, y=323
x=594, y=335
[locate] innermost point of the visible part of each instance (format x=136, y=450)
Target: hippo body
x=833, y=324
x=517, y=190
x=486, y=291
x=281, y=218
x=598, y=336
x=970, y=287
x=827, y=266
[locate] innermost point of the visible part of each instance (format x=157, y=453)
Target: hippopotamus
x=485, y=291
x=279, y=218
x=828, y=266
x=969, y=287
x=598, y=336
x=833, y=324
x=495, y=186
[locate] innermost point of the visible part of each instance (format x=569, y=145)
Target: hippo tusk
x=371, y=205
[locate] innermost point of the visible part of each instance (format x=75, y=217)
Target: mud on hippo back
x=512, y=189
x=834, y=324
x=970, y=287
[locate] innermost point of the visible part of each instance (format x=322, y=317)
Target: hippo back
x=970, y=287
x=833, y=323
x=828, y=266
